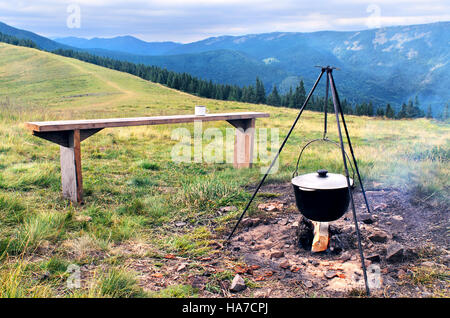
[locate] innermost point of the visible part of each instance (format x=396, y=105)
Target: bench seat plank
x=62, y=125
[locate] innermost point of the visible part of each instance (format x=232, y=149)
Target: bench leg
x=71, y=179
x=244, y=142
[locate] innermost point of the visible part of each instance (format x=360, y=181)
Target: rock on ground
x=379, y=236
x=238, y=284
x=394, y=253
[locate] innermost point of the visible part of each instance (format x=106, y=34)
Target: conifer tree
x=290, y=102
x=260, y=94
x=389, y=111
x=403, y=111
x=445, y=112
x=370, y=110
x=299, y=95
x=380, y=112
x=274, y=98
x=429, y=112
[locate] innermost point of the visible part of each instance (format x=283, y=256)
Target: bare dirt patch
x=397, y=237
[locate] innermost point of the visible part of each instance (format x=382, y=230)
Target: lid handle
x=322, y=173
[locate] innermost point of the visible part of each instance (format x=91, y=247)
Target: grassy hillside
x=135, y=194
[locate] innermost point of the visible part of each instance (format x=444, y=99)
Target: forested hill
x=385, y=65
x=257, y=94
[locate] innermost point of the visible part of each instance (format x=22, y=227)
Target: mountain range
x=125, y=44
x=384, y=65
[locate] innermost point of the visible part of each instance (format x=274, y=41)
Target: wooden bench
x=70, y=133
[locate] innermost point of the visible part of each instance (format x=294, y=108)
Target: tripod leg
x=351, y=150
x=278, y=153
x=336, y=110
x=325, y=109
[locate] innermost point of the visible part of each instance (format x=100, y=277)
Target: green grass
x=119, y=283
x=149, y=165
x=193, y=244
x=204, y=193
x=12, y=210
x=429, y=276
x=15, y=282
x=174, y=291
x=135, y=193
x=56, y=266
x=35, y=229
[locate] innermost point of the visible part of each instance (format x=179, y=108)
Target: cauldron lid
x=321, y=180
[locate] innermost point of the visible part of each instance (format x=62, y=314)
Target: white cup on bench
x=200, y=110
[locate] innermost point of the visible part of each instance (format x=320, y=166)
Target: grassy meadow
x=134, y=193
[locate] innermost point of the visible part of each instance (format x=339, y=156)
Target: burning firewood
x=321, y=237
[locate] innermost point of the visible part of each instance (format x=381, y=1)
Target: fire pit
x=280, y=244
x=323, y=197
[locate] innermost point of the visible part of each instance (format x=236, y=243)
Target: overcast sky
x=191, y=20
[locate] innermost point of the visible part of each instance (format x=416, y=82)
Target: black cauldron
x=322, y=196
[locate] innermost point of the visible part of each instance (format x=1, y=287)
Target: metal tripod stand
x=338, y=110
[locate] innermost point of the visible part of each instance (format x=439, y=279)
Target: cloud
x=190, y=20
